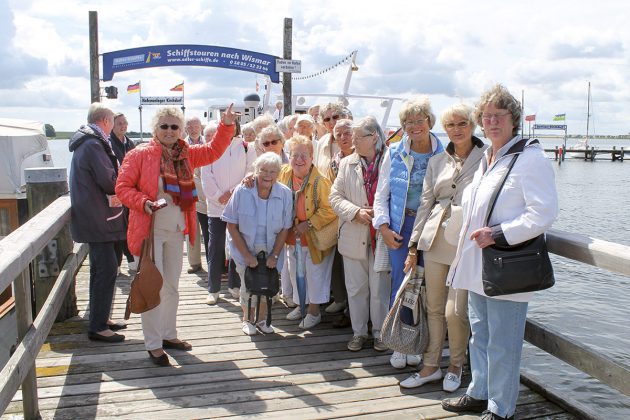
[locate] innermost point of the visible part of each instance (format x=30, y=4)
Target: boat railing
x=22, y=246
x=17, y=251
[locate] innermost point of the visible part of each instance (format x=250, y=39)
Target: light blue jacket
x=242, y=210
x=393, y=184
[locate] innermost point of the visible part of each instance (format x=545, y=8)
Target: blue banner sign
x=189, y=55
x=549, y=127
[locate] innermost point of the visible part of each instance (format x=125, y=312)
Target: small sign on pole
x=288, y=66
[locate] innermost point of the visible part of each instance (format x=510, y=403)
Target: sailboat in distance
x=582, y=144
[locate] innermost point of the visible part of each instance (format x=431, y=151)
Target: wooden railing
x=16, y=253
x=609, y=256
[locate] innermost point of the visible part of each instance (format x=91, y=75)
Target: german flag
x=133, y=88
x=178, y=88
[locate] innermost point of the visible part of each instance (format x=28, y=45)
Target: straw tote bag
x=144, y=293
x=326, y=237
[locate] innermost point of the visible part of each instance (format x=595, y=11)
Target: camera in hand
x=158, y=204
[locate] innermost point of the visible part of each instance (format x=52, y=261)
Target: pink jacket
x=138, y=182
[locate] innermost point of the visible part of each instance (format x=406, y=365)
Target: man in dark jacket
x=121, y=144
x=96, y=216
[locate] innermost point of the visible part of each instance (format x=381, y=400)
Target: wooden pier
x=289, y=374
x=589, y=154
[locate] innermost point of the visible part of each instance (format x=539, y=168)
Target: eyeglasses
x=267, y=173
x=303, y=156
x=416, y=122
x=496, y=117
x=366, y=135
x=461, y=124
x=334, y=117
x=269, y=143
x=173, y=127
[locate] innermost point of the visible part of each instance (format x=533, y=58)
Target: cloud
x=16, y=66
x=579, y=43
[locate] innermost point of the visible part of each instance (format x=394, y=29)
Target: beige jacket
x=442, y=187
x=347, y=196
x=323, y=154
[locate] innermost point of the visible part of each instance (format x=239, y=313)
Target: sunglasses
x=173, y=127
x=269, y=143
x=334, y=117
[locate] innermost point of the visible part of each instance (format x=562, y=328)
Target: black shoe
x=117, y=326
x=116, y=338
x=489, y=415
x=194, y=269
x=465, y=403
x=161, y=360
x=342, y=321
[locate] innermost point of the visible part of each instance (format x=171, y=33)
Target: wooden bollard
x=621, y=155
x=614, y=153
x=555, y=153
x=43, y=186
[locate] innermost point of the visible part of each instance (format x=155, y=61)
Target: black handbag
x=519, y=268
x=262, y=281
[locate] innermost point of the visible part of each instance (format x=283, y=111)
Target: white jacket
x=526, y=207
x=226, y=173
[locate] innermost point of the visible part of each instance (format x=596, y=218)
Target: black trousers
x=103, y=271
x=216, y=257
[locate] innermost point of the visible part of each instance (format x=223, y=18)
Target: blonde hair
x=169, y=111
x=459, y=110
x=299, y=140
x=414, y=106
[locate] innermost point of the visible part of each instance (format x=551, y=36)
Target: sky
x=449, y=50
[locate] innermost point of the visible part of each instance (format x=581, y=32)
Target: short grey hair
x=342, y=123
x=262, y=121
x=459, y=110
x=414, y=106
x=248, y=127
x=212, y=127
x=169, y=111
x=499, y=96
x=267, y=159
x=191, y=119
x=370, y=125
x=98, y=112
x=272, y=130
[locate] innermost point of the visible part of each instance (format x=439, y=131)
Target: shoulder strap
x=516, y=149
x=315, y=193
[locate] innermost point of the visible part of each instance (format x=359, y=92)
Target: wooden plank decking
x=289, y=374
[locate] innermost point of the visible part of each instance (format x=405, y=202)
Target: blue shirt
x=243, y=208
x=420, y=162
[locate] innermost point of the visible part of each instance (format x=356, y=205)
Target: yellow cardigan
x=324, y=214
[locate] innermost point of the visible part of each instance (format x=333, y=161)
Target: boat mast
x=588, y=111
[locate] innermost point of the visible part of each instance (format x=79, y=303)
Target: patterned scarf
x=370, y=181
x=335, y=162
x=177, y=175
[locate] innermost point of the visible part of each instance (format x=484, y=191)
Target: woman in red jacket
x=163, y=169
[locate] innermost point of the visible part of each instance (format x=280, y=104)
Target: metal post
x=286, y=77
x=95, y=89
x=140, y=109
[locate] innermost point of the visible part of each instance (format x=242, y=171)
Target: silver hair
x=414, y=106
x=262, y=121
x=459, y=110
x=370, y=125
x=272, y=130
x=248, y=127
x=191, y=119
x=342, y=123
x=98, y=112
x=211, y=127
x=169, y=111
x=267, y=159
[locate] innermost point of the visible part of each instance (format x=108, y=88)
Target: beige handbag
x=326, y=237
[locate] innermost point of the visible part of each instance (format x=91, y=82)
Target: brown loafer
x=161, y=360
x=177, y=345
x=463, y=404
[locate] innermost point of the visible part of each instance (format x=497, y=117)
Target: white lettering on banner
x=161, y=100
x=121, y=61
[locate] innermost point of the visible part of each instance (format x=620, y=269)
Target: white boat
x=582, y=144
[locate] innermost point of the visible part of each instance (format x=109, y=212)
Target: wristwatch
x=275, y=256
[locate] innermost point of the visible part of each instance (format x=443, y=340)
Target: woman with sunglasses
x=270, y=139
x=327, y=147
x=398, y=194
x=440, y=208
x=163, y=169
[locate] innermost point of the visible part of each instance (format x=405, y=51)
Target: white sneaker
x=262, y=326
x=295, y=314
x=414, y=359
x=235, y=292
x=452, y=382
x=289, y=302
x=248, y=328
x=275, y=298
x=398, y=360
x=416, y=380
x=336, y=307
x=310, y=321
x=212, y=298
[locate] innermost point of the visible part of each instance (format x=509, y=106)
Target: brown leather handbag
x=144, y=293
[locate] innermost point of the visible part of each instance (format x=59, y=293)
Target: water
x=587, y=304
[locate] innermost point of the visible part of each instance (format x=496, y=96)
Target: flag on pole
x=560, y=117
x=133, y=88
x=530, y=117
x=178, y=88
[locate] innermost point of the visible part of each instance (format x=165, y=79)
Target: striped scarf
x=177, y=175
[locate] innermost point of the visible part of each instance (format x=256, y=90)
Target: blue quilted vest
x=402, y=163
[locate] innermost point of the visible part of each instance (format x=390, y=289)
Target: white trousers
x=317, y=276
x=160, y=323
x=285, y=278
x=368, y=294
x=194, y=250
